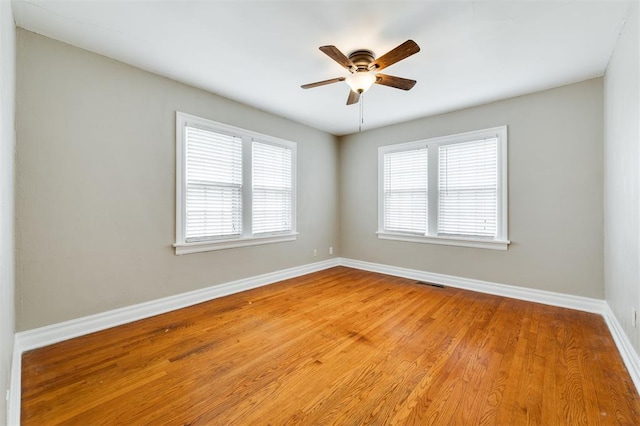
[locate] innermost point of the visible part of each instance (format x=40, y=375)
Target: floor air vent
x=430, y=284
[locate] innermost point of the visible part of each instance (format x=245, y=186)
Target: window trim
x=247, y=238
x=500, y=242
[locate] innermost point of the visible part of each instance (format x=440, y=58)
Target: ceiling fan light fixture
x=363, y=69
x=361, y=81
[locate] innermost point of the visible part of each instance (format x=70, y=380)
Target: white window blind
x=272, y=188
x=468, y=188
x=405, y=191
x=213, y=185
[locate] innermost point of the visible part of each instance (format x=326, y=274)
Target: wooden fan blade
x=396, y=82
x=401, y=52
x=353, y=98
x=335, y=54
x=322, y=83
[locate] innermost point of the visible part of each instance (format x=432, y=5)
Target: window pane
x=213, y=184
x=468, y=188
x=272, y=188
x=405, y=191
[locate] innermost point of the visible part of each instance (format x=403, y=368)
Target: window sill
x=448, y=241
x=200, y=246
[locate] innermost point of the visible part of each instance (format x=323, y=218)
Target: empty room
x=319, y=212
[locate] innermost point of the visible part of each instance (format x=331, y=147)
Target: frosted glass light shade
x=361, y=81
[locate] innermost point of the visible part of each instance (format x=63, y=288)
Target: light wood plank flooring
x=341, y=347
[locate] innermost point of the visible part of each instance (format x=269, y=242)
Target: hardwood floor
x=340, y=346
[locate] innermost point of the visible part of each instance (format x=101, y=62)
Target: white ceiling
x=260, y=52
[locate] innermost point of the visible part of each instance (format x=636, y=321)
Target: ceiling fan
x=363, y=69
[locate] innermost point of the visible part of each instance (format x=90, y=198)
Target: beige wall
x=555, y=193
x=622, y=178
x=96, y=186
x=7, y=146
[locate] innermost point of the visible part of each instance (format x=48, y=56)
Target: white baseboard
x=15, y=388
x=627, y=352
x=580, y=303
x=48, y=335
x=44, y=336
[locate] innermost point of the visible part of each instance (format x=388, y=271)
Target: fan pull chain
x=361, y=113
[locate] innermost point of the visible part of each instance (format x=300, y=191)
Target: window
x=213, y=184
x=449, y=190
x=405, y=190
x=272, y=187
x=233, y=187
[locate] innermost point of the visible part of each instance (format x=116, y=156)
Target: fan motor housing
x=362, y=58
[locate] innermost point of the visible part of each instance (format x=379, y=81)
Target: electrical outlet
x=330, y=250
x=315, y=252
